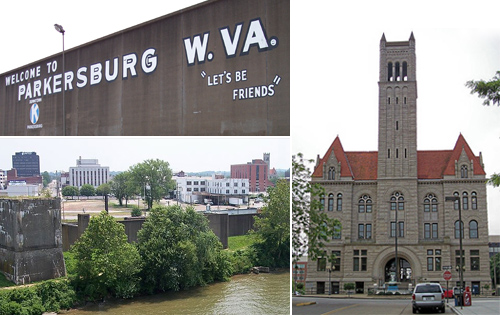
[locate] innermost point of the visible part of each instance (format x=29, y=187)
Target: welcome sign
x=217, y=68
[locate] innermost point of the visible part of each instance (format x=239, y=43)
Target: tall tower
x=397, y=144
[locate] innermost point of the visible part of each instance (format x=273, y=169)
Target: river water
x=244, y=294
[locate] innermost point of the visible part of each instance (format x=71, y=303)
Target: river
x=244, y=294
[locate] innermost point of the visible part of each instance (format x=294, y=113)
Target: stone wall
x=31, y=240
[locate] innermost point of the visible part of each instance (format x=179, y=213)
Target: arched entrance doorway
x=405, y=272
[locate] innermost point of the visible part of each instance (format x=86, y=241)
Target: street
x=351, y=306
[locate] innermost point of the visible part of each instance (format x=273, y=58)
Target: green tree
x=153, y=178
x=311, y=227
x=489, y=90
x=87, y=190
x=70, y=191
x=103, y=189
x=179, y=250
x=122, y=187
x=273, y=228
x=494, y=180
x=105, y=262
x=495, y=269
x=46, y=178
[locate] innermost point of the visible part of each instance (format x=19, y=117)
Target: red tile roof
x=430, y=164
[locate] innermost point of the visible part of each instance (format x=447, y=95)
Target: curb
x=305, y=303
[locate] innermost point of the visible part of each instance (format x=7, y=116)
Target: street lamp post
x=61, y=30
x=460, y=228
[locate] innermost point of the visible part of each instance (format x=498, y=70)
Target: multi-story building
x=191, y=189
x=3, y=179
x=397, y=225
x=88, y=171
x=27, y=164
x=256, y=172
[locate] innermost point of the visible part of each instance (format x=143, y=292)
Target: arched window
x=389, y=72
x=473, y=232
x=339, y=202
x=397, y=201
x=397, y=70
x=322, y=202
x=430, y=203
x=465, y=201
x=330, y=202
x=457, y=229
x=405, y=72
x=473, y=200
x=365, y=204
x=456, y=204
x=337, y=232
x=464, y=172
x=331, y=173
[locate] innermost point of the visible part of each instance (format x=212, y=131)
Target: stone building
x=397, y=195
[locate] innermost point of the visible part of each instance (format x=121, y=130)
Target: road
x=339, y=306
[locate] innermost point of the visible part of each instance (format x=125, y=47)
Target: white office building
x=88, y=171
x=192, y=189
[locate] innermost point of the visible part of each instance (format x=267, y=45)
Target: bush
x=136, y=212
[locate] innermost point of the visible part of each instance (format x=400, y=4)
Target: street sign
x=446, y=267
x=447, y=275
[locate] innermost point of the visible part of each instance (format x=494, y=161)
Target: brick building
x=256, y=172
x=396, y=224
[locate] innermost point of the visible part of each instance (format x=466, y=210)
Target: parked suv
x=428, y=296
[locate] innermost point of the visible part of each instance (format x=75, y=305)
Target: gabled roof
x=430, y=164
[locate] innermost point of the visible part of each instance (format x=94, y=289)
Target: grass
x=4, y=282
x=239, y=242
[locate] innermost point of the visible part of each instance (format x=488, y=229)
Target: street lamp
x=61, y=30
x=330, y=270
x=460, y=227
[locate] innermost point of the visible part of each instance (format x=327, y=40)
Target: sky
x=335, y=72
x=188, y=154
x=334, y=67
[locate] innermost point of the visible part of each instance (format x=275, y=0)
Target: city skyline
x=188, y=154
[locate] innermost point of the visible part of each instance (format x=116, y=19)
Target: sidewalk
x=474, y=309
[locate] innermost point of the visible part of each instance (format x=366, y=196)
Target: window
x=405, y=71
x=368, y=231
x=397, y=200
x=330, y=202
x=401, y=229
x=474, y=260
x=321, y=266
x=474, y=200
x=322, y=203
x=336, y=261
x=434, y=230
x=465, y=201
x=365, y=204
x=427, y=230
x=463, y=172
x=393, y=229
x=434, y=260
x=195, y=183
x=360, y=262
x=188, y=182
x=361, y=231
x=331, y=173
x=473, y=231
x=430, y=203
x=457, y=259
x=459, y=227
x=337, y=232
x=339, y=202
x=389, y=72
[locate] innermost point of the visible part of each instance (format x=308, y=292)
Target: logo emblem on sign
x=34, y=113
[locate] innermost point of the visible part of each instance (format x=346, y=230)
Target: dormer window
x=464, y=172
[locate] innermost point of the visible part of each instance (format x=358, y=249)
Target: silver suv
x=428, y=296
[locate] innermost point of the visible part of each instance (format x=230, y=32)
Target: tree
x=179, y=250
x=495, y=269
x=494, y=180
x=70, y=191
x=272, y=228
x=46, y=178
x=87, y=190
x=105, y=262
x=103, y=189
x=490, y=90
x=311, y=227
x=155, y=175
x=122, y=187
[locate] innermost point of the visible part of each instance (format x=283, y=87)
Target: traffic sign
x=447, y=275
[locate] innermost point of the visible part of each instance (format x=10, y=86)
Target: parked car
x=428, y=296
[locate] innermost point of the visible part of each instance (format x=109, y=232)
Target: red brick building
x=257, y=173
